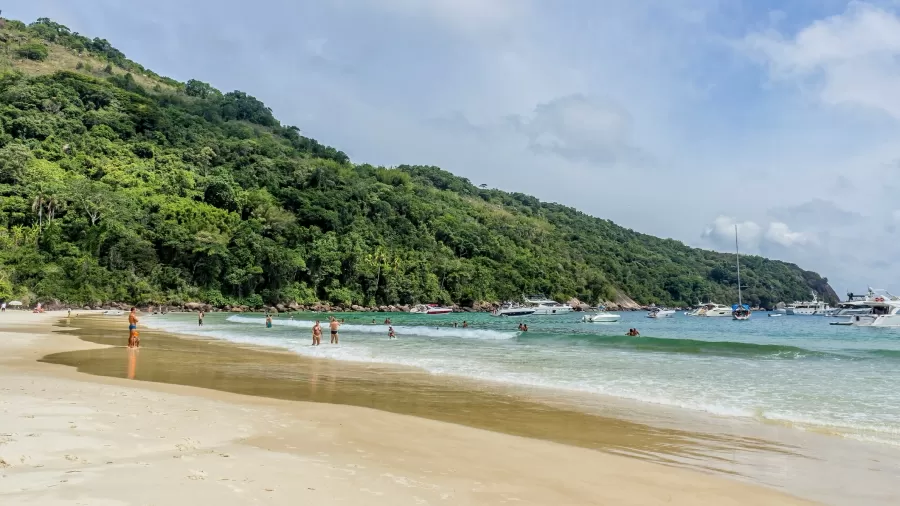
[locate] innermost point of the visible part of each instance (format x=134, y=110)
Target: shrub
x=34, y=51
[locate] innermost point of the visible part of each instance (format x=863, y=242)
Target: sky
x=678, y=118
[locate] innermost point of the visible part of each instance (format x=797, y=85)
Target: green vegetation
x=34, y=51
x=137, y=188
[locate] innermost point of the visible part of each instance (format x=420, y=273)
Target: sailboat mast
x=737, y=252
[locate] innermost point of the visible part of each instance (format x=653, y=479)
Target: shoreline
x=517, y=465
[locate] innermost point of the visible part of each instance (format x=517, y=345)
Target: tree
x=195, y=88
x=33, y=51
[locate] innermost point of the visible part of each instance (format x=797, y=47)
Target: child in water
x=391, y=333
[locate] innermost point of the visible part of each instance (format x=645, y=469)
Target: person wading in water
x=335, y=325
x=317, y=334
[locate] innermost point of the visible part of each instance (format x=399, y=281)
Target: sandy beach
x=68, y=437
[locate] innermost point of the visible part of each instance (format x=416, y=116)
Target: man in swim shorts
x=317, y=334
x=334, y=330
x=200, y=319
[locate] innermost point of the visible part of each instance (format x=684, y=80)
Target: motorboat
x=659, y=312
x=884, y=312
x=711, y=309
x=775, y=315
x=544, y=306
x=431, y=309
x=815, y=307
x=854, y=305
x=512, y=309
x=601, y=316
x=739, y=311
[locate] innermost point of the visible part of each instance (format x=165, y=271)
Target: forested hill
x=117, y=184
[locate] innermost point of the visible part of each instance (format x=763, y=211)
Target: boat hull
x=548, y=311
x=514, y=312
x=601, y=318
x=892, y=320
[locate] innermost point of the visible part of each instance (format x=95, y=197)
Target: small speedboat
x=601, y=316
x=775, y=315
x=512, y=309
x=431, y=309
x=660, y=313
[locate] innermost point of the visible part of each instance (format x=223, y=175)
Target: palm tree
x=378, y=259
x=37, y=206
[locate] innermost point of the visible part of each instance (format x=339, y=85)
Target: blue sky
x=675, y=118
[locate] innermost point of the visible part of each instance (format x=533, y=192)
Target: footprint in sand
x=196, y=475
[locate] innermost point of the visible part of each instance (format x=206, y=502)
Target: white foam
x=400, y=330
x=771, y=391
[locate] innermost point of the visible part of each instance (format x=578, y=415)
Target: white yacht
x=544, y=306
x=601, y=316
x=815, y=307
x=711, y=309
x=659, y=312
x=884, y=311
x=431, y=309
x=854, y=305
x=512, y=309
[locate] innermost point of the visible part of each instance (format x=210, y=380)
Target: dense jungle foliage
x=118, y=184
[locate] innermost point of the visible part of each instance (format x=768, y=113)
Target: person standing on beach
x=133, y=341
x=317, y=334
x=200, y=319
x=335, y=325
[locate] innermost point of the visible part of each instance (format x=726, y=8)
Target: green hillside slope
x=118, y=184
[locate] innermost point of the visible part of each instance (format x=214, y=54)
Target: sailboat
x=739, y=311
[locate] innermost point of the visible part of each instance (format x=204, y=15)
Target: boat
x=775, y=315
x=431, y=309
x=512, y=309
x=815, y=307
x=659, y=312
x=884, y=311
x=711, y=309
x=853, y=306
x=601, y=316
x=739, y=311
x=544, y=306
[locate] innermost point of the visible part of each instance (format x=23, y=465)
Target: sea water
x=793, y=370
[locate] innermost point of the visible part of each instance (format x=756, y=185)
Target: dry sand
x=73, y=438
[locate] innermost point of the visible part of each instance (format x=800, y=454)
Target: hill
x=119, y=184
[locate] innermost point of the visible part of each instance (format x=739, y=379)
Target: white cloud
x=580, y=128
x=721, y=234
x=849, y=59
x=781, y=234
x=754, y=237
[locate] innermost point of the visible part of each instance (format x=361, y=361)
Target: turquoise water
x=791, y=370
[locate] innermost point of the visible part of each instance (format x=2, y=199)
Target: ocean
x=791, y=371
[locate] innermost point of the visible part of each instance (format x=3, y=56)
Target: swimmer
x=268, y=322
x=391, y=333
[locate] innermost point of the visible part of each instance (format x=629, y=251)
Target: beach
x=74, y=438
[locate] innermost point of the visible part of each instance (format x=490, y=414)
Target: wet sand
x=358, y=455
x=219, y=365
